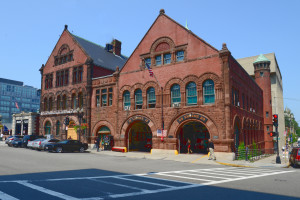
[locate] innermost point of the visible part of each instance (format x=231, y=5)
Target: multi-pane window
x=179, y=56
x=138, y=99
x=267, y=114
x=77, y=74
x=209, y=92
x=191, y=93
x=63, y=59
x=167, y=58
x=158, y=60
x=148, y=61
x=62, y=78
x=151, y=98
x=175, y=94
x=104, y=97
x=48, y=81
x=126, y=99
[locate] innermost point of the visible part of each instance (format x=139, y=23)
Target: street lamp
x=80, y=114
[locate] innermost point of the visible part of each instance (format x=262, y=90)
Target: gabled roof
x=100, y=56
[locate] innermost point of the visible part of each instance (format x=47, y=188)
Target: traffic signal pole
x=278, y=161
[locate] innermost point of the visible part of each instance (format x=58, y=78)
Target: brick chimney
x=116, y=47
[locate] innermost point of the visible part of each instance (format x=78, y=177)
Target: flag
x=17, y=106
x=149, y=69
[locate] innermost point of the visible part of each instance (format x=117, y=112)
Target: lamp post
x=80, y=114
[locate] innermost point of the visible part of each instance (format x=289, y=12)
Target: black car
x=17, y=142
x=66, y=145
x=10, y=139
x=27, y=138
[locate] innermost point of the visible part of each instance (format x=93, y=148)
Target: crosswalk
x=126, y=185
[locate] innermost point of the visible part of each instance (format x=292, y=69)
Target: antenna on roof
x=186, y=25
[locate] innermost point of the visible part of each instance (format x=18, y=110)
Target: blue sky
x=30, y=29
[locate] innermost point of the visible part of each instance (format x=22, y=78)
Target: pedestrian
x=211, y=148
x=189, y=146
x=1, y=137
x=98, y=143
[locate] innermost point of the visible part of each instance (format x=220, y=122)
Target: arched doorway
x=198, y=135
x=72, y=134
x=102, y=132
x=47, y=128
x=139, y=137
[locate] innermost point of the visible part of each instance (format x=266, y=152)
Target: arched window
x=74, y=101
x=58, y=103
x=138, y=99
x=126, y=100
x=64, y=102
x=57, y=128
x=45, y=104
x=151, y=98
x=191, y=93
x=80, y=100
x=175, y=95
x=209, y=92
x=50, y=104
x=47, y=128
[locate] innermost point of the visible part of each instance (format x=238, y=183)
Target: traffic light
x=67, y=121
x=273, y=134
x=275, y=120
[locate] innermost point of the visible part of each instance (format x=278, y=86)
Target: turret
x=262, y=78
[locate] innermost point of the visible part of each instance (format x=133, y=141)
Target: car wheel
x=59, y=150
x=81, y=150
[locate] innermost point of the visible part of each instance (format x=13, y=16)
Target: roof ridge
x=87, y=40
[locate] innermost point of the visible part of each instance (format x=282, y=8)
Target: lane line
x=199, y=158
x=47, y=191
x=4, y=196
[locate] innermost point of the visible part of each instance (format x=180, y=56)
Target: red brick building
x=197, y=92
x=66, y=83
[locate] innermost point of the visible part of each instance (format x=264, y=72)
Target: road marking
x=199, y=158
x=183, y=177
x=4, y=196
x=218, y=173
x=146, y=182
x=192, y=174
x=47, y=191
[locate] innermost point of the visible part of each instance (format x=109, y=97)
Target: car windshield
x=63, y=142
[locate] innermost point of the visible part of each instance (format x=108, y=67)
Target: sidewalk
x=199, y=159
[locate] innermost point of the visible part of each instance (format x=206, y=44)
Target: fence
x=253, y=154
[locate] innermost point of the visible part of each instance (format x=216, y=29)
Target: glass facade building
x=15, y=97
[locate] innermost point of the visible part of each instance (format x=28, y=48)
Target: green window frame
x=191, y=93
x=138, y=99
x=209, y=92
x=175, y=94
x=151, y=98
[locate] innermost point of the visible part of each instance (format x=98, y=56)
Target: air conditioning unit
x=126, y=107
x=176, y=105
x=250, y=109
x=254, y=110
x=238, y=104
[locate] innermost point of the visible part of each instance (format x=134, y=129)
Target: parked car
x=30, y=144
x=295, y=157
x=66, y=145
x=36, y=143
x=27, y=138
x=9, y=140
x=17, y=142
x=42, y=143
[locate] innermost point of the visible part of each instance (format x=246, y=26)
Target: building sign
x=138, y=117
x=192, y=116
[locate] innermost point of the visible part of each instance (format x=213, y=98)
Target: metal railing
x=253, y=154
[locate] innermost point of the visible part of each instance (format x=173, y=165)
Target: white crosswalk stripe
x=147, y=183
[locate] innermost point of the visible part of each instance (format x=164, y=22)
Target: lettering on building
x=192, y=116
x=138, y=117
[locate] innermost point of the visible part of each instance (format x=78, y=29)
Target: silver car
x=41, y=145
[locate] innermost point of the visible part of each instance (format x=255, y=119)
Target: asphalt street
x=29, y=174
